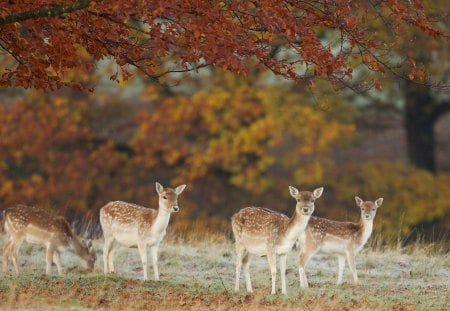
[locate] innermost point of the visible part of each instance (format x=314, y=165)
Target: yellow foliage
x=411, y=196
x=241, y=129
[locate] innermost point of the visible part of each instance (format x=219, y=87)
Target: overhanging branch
x=48, y=12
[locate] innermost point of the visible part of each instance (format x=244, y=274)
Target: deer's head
x=305, y=199
x=368, y=208
x=168, y=197
x=88, y=254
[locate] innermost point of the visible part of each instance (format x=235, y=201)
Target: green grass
x=200, y=275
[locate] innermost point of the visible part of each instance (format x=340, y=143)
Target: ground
x=200, y=275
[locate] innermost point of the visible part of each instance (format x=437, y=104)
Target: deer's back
x=258, y=228
x=330, y=236
x=319, y=227
x=125, y=214
x=38, y=225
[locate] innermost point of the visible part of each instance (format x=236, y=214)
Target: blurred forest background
x=236, y=141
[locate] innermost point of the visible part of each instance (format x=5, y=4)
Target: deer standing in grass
x=344, y=239
x=37, y=226
x=264, y=232
x=132, y=225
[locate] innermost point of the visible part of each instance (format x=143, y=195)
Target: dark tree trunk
x=419, y=124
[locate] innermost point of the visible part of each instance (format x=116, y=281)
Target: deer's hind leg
x=6, y=254
x=240, y=250
x=306, y=253
x=107, y=256
x=14, y=251
x=246, y=262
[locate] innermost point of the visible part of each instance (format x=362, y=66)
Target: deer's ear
x=293, y=191
x=159, y=188
x=179, y=189
x=378, y=202
x=359, y=201
x=89, y=244
x=318, y=192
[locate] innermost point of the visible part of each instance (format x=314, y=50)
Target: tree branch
x=48, y=12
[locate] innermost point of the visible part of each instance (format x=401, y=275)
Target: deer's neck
x=297, y=224
x=366, y=227
x=161, y=220
x=77, y=246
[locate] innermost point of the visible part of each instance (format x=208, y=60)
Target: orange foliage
x=48, y=154
x=43, y=39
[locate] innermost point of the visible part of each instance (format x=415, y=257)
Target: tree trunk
x=419, y=124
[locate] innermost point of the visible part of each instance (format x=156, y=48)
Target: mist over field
x=200, y=275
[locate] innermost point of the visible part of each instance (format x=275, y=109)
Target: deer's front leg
x=143, y=252
x=283, y=258
x=50, y=251
x=57, y=260
x=352, y=265
x=341, y=264
x=272, y=258
x=154, y=253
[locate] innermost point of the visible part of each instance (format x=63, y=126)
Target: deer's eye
x=164, y=197
x=373, y=210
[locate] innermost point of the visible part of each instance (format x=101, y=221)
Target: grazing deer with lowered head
x=37, y=226
x=344, y=239
x=264, y=232
x=133, y=225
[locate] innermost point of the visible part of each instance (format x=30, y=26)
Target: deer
x=38, y=226
x=344, y=239
x=132, y=225
x=264, y=232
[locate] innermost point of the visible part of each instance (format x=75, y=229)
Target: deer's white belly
x=333, y=245
x=284, y=248
x=37, y=235
x=126, y=236
x=32, y=239
x=256, y=245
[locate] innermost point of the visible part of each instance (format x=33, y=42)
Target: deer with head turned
x=344, y=239
x=37, y=226
x=263, y=232
x=132, y=225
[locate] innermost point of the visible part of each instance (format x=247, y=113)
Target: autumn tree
x=42, y=40
x=416, y=84
x=253, y=135
x=49, y=155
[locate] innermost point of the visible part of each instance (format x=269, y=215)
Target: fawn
x=264, y=232
x=345, y=239
x=37, y=226
x=133, y=225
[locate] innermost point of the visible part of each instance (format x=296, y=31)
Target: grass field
x=200, y=275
